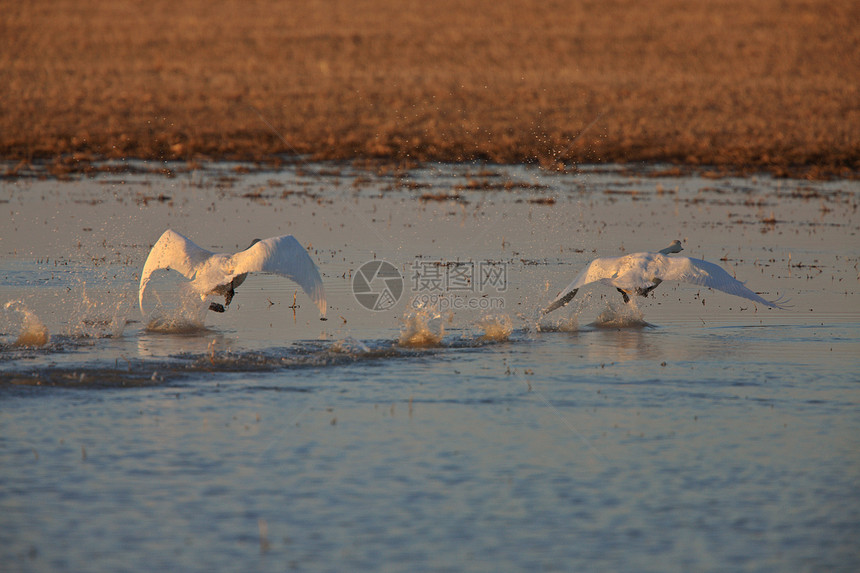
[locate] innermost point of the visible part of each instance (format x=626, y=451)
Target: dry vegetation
x=768, y=84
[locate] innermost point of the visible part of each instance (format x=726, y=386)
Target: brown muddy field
x=770, y=85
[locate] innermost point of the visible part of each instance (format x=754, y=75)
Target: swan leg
x=624, y=294
x=227, y=292
x=228, y=296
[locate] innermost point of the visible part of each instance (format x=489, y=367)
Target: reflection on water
x=687, y=431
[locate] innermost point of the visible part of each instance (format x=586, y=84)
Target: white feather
x=638, y=272
x=282, y=255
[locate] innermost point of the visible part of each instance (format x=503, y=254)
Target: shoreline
x=80, y=165
x=726, y=86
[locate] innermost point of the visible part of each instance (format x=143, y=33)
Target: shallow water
x=691, y=431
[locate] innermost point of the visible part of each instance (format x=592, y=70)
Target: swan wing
x=704, y=273
x=172, y=251
x=597, y=270
x=283, y=256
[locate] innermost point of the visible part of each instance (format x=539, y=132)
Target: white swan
x=220, y=273
x=640, y=273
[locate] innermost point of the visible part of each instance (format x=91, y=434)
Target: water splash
x=186, y=316
x=496, y=327
x=99, y=318
x=31, y=330
x=559, y=324
x=422, y=328
x=173, y=324
x=625, y=315
x=350, y=346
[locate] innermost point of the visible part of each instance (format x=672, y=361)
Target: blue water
x=689, y=436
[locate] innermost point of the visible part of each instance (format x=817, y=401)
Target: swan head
x=675, y=247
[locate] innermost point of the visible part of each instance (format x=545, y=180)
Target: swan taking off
x=640, y=273
x=220, y=273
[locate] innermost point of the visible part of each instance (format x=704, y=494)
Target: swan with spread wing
x=640, y=273
x=219, y=274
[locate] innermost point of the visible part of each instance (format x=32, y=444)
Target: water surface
x=691, y=431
